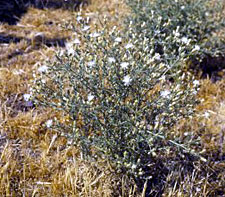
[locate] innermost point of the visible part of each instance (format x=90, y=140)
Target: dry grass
x=34, y=161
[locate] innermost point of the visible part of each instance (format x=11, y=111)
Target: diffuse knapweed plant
x=122, y=98
x=172, y=24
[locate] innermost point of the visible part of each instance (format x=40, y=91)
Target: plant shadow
x=38, y=41
x=173, y=172
x=9, y=38
x=11, y=11
x=210, y=67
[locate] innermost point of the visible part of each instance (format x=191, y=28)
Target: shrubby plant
x=180, y=28
x=122, y=97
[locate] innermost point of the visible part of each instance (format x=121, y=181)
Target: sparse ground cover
x=35, y=161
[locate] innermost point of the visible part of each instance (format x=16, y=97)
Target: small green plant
x=122, y=98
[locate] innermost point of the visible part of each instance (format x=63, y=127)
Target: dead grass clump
x=115, y=10
x=8, y=82
x=25, y=125
x=44, y=172
x=209, y=122
x=195, y=183
x=214, y=129
x=8, y=168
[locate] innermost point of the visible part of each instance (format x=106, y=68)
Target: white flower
x=70, y=51
x=91, y=63
x=196, y=48
x=111, y=59
x=43, y=80
x=69, y=48
x=127, y=80
x=206, y=114
x=79, y=18
x=196, y=83
x=165, y=93
x=157, y=56
x=49, y=123
x=76, y=41
x=124, y=65
x=95, y=35
x=118, y=39
x=184, y=40
x=90, y=97
x=86, y=28
x=26, y=97
x=182, y=7
x=134, y=166
x=129, y=45
x=43, y=69
x=176, y=34
x=69, y=45
x=198, y=189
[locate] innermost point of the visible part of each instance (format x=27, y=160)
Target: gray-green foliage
x=173, y=23
x=122, y=97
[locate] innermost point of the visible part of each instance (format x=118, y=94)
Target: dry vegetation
x=34, y=161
